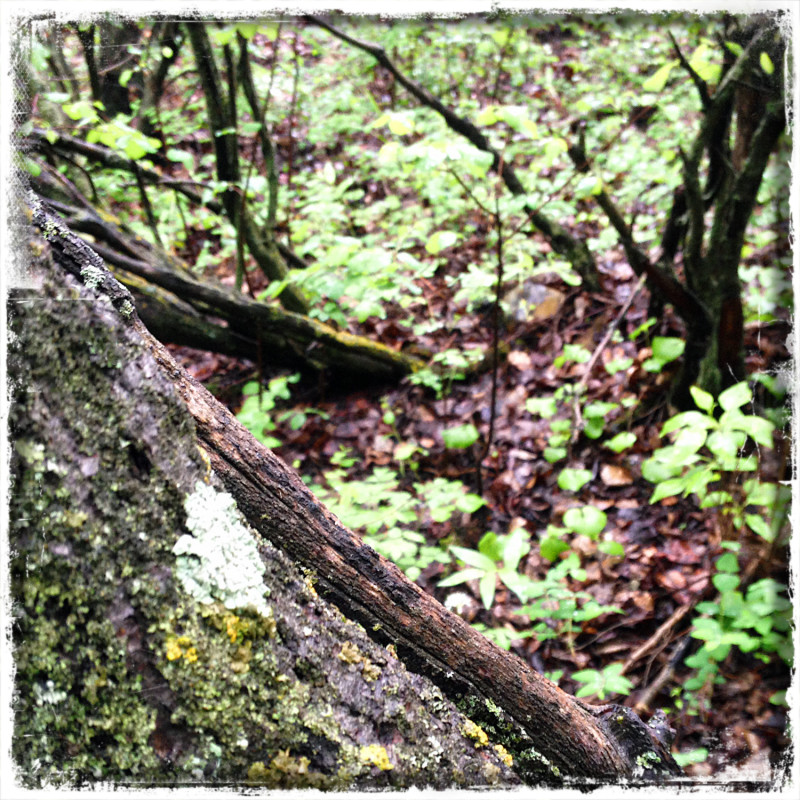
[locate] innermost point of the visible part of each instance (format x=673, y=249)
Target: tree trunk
x=160, y=637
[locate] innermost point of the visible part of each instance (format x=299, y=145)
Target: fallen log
x=265, y=333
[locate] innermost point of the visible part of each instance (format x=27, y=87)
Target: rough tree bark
x=162, y=636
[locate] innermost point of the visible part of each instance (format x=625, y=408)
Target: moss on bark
x=144, y=653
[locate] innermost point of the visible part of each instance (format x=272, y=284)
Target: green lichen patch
x=220, y=560
x=92, y=276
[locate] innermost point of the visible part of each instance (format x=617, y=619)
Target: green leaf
x=611, y=548
x=491, y=546
x=515, y=545
x=658, y=80
x=460, y=437
x=487, y=116
x=766, y=63
x=703, y=400
x=32, y=167
x=553, y=454
x=688, y=419
x=696, y=756
x=462, y=577
x=735, y=396
x=760, y=526
x=552, y=547
x=487, y=588
x=757, y=428
x=668, y=488
x=621, y=441
x=441, y=240
x=543, y=406
x=728, y=562
x=571, y=480
x=667, y=348
x=473, y=558
x=662, y=465
x=573, y=352
x=400, y=125
x=593, y=427
x=617, y=365
x=725, y=582
x=182, y=157
x=760, y=494
x=470, y=503
x=725, y=443
x=599, y=409
x=587, y=520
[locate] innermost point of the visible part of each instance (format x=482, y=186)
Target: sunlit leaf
x=735, y=396
x=571, y=480
x=441, y=240
x=587, y=520
x=460, y=437
x=658, y=80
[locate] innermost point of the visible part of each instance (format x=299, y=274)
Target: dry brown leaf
x=615, y=475
x=519, y=359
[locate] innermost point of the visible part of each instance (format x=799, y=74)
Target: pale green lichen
x=92, y=276
x=126, y=309
x=648, y=759
x=220, y=560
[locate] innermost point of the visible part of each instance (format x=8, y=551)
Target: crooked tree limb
x=287, y=339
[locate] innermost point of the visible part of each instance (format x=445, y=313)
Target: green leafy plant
x=496, y=558
x=554, y=607
x=705, y=459
x=390, y=517
x=757, y=621
x=445, y=367
x=255, y=413
x=599, y=683
x=460, y=437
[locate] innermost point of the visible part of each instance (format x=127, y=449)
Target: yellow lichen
x=504, y=755
x=174, y=651
x=350, y=654
x=473, y=731
x=370, y=671
x=175, y=648
x=232, y=627
x=376, y=755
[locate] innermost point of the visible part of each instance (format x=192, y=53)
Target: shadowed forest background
x=511, y=294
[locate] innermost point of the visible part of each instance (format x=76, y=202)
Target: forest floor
x=669, y=546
